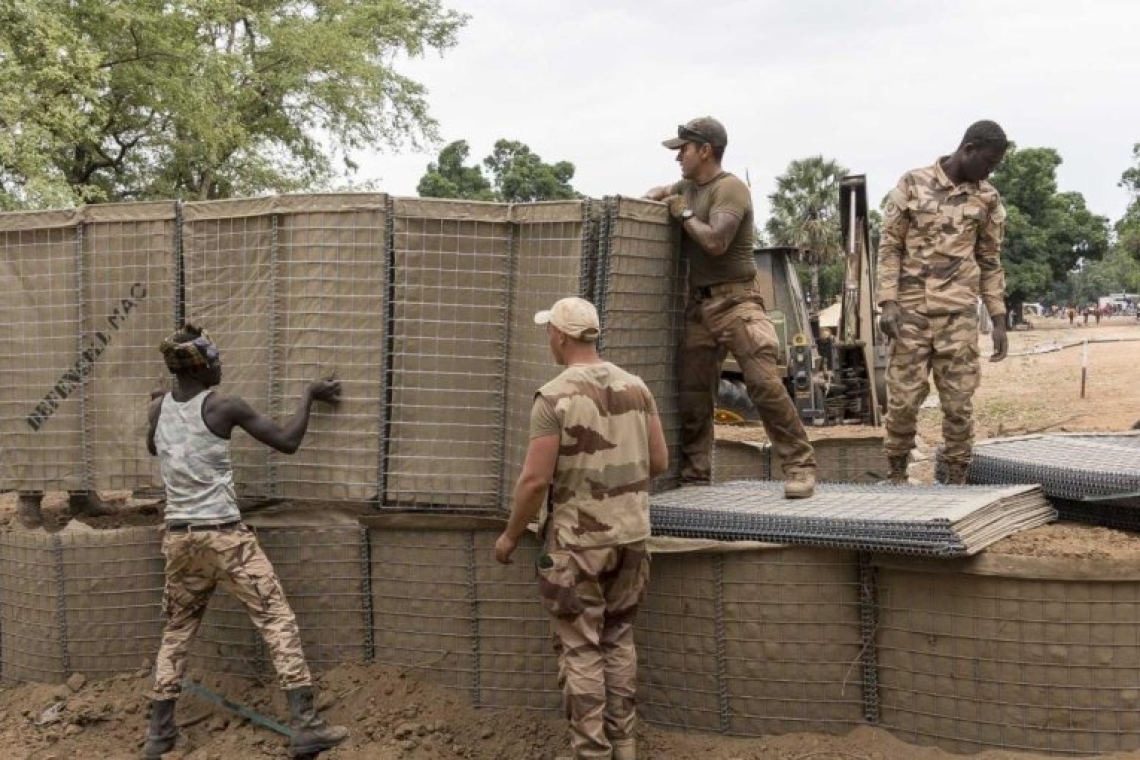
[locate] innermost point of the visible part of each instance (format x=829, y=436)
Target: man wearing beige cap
x=725, y=311
x=595, y=443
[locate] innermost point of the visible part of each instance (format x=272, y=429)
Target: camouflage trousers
x=196, y=562
x=713, y=327
x=592, y=596
x=947, y=348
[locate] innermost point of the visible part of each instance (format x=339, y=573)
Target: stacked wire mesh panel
x=449, y=275
x=1089, y=477
x=552, y=252
x=933, y=520
x=640, y=295
x=41, y=405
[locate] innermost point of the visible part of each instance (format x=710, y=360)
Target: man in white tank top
x=206, y=543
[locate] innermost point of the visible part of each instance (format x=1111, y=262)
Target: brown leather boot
x=163, y=732
x=896, y=476
x=28, y=510
x=311, y=733
x=956, y=473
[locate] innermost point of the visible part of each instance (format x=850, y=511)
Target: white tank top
x=196, y=465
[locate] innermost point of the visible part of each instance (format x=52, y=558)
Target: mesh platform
x=933, y=520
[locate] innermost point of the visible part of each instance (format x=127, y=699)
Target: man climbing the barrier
x=207, y=544
x=940, y=250
x=595, y=443
x=725, y=311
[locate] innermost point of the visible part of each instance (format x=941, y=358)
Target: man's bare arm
x=715, y=236
x=659, y=193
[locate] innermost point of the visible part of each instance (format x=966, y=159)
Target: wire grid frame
x=448, y=313
x=422, y=604
x=792, y=652
x=324, y=573
x=641, y=293
x=969, y=662
x=329, y=321
x=41, y=378
x=112, y=585
x=33, y=644
x=552, y=250
x=129, y=305
x=229, y=263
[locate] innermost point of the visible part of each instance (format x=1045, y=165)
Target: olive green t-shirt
x=723, y=194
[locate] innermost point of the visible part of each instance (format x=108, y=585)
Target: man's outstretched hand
x=326, y=389
x=1001, y=342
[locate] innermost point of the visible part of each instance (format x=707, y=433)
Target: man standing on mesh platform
x=595, y=443
x=207, y=544
x=940, y=250
x=725, y=311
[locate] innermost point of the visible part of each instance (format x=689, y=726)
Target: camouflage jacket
x=600, y=492
x=940, y=247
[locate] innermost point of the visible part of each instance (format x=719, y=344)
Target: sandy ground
x=393, y=714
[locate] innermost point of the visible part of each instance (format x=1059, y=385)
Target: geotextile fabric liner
x=838, y=460
x=450, y=265
x=1026, y=653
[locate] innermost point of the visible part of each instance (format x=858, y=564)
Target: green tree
x=173, y=98
x=1047, y=232
x=1128, y=226
x=805, y=215
x=449, y=178
x=520, y=175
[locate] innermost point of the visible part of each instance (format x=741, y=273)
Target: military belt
x=190, y=527
x=721, y=289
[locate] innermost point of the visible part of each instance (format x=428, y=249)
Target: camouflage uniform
x=196, y=562
x=940, y=250
x=593, y=572
x=725, y=312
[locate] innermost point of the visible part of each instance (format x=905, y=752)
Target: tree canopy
x=1128, y=226
x=517, y=175
x=103, y=100
x=1047, y=231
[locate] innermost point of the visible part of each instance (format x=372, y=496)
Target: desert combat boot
x=896, y=476
x=163, y=732
x=799, y=484
x=956, y=473
x=311, y=734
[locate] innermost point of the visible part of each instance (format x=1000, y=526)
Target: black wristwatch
x=686, y=215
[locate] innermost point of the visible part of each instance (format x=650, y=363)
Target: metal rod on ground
x=1084, y=366
x=242, y=710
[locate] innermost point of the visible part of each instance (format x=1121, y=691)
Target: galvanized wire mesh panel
x=32, y=633
x=970, y=662
x=129, y=273
x=551, y=253
x=324, y=574
x=41, y=379
x=112, y=598
x=422, y=600
x=229, y=254
x=450, y=269
x=679, y=635
x=791, y=641
x=517, y=664
x=332, y=283
x=641, y=294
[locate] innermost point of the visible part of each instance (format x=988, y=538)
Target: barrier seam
x=869, y=628
x=273, y=378
x=179, y=269
x=721, y=655
x=366, y=591
x=61, y=603
x=85, y=386
x=473, y=600
x=388, y=307
x=500, y=451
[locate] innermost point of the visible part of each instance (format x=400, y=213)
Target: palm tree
x=805, y=214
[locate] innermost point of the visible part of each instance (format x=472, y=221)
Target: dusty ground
x=393, y=715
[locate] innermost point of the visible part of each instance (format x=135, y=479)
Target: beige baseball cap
x=576, y=317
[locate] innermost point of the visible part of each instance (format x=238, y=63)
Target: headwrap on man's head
x=189, y=348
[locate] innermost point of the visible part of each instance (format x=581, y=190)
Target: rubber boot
x=897, y=474
x=799, y=484
x=28, y=510
x=624, y=749
x=88, y=504
x=956, y=473
x=311, y=733
x=162, y=733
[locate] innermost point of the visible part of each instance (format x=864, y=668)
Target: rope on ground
x=1046, y=348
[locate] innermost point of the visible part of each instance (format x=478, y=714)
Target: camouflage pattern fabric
x=941, y=245
x=600, y=493
x=733, y=322
x=196, y=563
x=592, y=596
x=947, y=346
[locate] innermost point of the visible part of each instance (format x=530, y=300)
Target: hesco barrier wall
x=1025, y=653
x=838, y=460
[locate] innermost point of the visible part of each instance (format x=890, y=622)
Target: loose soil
x=393, y=715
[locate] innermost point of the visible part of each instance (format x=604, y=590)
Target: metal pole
x=1084, y=365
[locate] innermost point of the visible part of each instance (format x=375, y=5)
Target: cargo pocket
x=558, y=585
x=179, y=602
x=628, y=588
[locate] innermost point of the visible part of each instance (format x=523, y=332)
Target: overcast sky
x=882, y=86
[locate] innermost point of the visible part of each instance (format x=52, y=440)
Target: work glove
x=1001, y=342
x=677, y=204
x=890, y=320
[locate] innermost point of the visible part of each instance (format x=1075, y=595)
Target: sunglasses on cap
x=207, y=349
x=691, y=135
